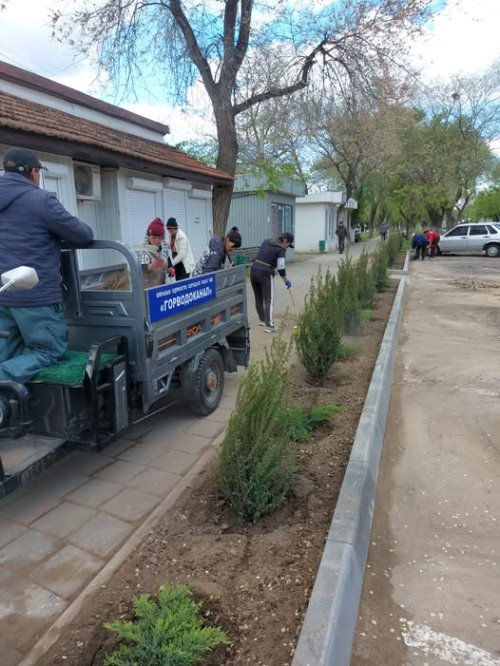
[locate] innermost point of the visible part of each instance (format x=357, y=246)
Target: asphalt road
x=432, y=585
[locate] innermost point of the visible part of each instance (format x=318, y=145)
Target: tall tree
x=486, y=205
x=357, y=135
x=462, y=118
x=180, y=42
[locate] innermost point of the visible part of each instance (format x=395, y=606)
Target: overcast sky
x=462, y=39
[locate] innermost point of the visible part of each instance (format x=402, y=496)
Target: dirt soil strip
x=253, y=580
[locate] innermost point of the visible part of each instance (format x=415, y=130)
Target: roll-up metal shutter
x=141, y=209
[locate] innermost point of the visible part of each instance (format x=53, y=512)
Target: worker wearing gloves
x=215, y=254
x=270, y=259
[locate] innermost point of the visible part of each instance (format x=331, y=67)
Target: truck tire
x=208, y=384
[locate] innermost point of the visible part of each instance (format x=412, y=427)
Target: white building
x=317, y=218
x=109, y=166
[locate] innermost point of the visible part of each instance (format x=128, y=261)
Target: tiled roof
x=32, y=81
x=114, y=147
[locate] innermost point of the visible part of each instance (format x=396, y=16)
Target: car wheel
x=492, y=250
x=206, y=390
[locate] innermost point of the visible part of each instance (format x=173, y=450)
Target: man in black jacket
x=270, y=258
x=341, y=232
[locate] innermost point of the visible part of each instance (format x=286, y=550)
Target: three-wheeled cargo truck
x=132, y=349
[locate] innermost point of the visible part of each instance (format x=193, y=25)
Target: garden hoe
x=295, y=328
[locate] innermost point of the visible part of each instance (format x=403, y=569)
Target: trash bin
x=322, y=246
x=241, y=259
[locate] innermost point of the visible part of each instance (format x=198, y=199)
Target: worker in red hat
x=153, y=257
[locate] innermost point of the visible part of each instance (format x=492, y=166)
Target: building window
x=281, y=218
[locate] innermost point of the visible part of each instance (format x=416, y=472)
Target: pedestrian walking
x=383, y=229
x=341, y=232
x=270, y=259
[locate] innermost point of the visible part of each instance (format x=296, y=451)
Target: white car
x=472, y=238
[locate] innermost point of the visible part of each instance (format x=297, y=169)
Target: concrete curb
x=330, y=621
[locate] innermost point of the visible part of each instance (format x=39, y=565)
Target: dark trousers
x=180, y=271
x=341, y=244
x=263, y=288
x=420, y=251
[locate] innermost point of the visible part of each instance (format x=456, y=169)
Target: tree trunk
x=372, y=216
x=450, y=220
x=221, y=202
x=436, y=217
x=226, y=161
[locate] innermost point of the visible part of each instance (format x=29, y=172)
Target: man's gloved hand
x=171, y=271
x=288, y=284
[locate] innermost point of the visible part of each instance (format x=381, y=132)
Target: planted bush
x=302, y=423
x=394, y=244
x=166, y=632
x=380, y=264
x=319, y=331
x=365, y=282
x=257, y=460
x=298, y=420
x=347, y=279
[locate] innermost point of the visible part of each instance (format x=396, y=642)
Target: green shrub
x=393, y=245
x=319, y=327
x=321, y=413
x=168, y=632
x=298, y=423
x=347, y=280
x=380, y=263
x=346, y=351
x=302, y=423
x=257, y=459
x=365, y=282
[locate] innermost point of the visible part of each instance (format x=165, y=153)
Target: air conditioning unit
x=87, y=181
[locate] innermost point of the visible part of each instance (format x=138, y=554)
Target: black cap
x=289, y=237
x=172, y=223
x=21, y=160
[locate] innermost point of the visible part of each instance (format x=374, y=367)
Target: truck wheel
x=208, y=384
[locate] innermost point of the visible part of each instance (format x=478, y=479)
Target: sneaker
x=269, y=329
x=262, y=323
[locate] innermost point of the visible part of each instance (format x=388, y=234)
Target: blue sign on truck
x=169, y=299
